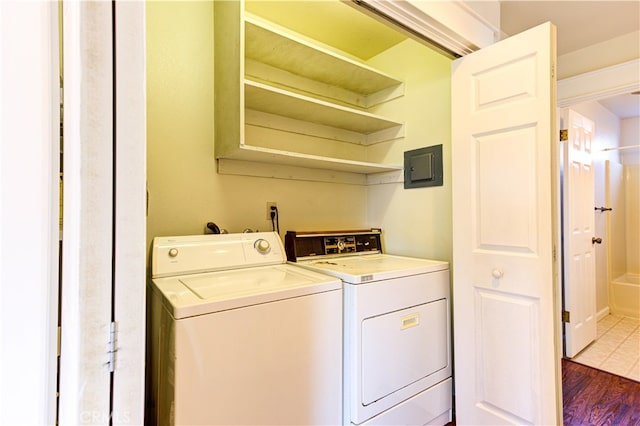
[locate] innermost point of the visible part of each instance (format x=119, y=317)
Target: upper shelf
x=274, y=46
x=273, y=100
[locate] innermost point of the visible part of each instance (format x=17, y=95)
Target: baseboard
x=602, y=313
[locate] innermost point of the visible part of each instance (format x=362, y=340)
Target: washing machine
x=238, y=336
x=397, y=345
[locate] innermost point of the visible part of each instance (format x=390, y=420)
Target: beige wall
x=601, y=55
x=185, y=191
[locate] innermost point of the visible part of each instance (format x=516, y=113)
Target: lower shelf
x=275, y=156
x=265, y=162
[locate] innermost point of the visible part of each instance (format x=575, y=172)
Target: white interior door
x=505, y=171
x=29, y=206
x=578, y=230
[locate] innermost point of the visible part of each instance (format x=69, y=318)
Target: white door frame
x=104, y=220
x=595, y=85
x=130, y=213
x=85, y=378
x=599, y=84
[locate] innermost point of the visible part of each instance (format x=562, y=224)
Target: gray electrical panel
x=423, y=167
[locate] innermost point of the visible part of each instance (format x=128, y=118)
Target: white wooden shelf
x=269, y=80
x=272, y=100
x=279, y=48
x=289, y=158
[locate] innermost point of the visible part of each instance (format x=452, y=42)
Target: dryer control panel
x=303, y=245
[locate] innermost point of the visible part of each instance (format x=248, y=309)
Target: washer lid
x=374, y=267
x=198, y=294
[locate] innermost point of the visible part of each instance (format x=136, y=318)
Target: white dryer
x=397, y=363
x=241, y=337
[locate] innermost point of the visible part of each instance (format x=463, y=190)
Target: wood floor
x=594, y=397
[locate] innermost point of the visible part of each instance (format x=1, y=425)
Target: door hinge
x=555, y=253
x=112, y=348
x=564, y=135
x=566, y=316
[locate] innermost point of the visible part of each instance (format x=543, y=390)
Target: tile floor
x=617, y=347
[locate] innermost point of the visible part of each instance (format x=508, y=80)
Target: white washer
x=241, y=337
x=397, y=327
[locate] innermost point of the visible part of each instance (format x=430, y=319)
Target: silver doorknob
x=596, y=240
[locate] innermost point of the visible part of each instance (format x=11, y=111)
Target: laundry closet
x=256, y=104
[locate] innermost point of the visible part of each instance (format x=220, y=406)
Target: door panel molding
x=498, y=396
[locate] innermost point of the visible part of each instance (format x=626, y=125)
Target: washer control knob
x=173, y=252
x=262, y=246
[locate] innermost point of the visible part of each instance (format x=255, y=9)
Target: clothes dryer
x=397, y=359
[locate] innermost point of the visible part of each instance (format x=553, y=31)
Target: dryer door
x=402, y=347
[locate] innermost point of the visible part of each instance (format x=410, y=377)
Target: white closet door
x=504, y=273
x=130, y=213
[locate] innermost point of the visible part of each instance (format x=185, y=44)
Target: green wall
x=417, y=222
